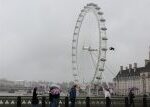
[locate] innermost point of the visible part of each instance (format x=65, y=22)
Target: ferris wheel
x=96, y=53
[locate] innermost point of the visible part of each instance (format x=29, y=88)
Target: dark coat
x=51, y=97
x=72, y=94
x=131, y=97
x=35, y=98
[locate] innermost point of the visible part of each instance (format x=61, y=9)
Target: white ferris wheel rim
x=102, y=42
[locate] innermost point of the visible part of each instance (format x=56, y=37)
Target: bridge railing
x=25, y=101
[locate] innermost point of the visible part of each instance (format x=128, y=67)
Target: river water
x=14, y=94
x=22, y=93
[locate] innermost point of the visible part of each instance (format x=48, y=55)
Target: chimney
x=135, y=65
x=121, y=68
x=149, y=53
x=146, y=62
x=126, y=68
x=130, y=66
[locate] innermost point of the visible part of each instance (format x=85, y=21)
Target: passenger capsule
x=73, y=54
x=78, y=20
x=74, y=68
x=76, y=80
x=97, y=8
x=104, y=49
x=95, y=5
x=100, y=13
x=104, y=28
x=73, y=40
x=90, y=4
x=75, y=75
x=100, y=69
x=73, y=61
x=98, y=78
x=76, y=27
x=102, y=20
x=73, y=47
x=80, y=15
x=75, y=34
x=104, y=38
x=103, y=59
x=82, y=10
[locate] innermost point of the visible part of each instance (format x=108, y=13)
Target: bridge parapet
x=11, y=101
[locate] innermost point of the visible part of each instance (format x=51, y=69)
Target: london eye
x=89, y=49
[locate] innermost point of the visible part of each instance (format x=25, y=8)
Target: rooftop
x=135, y=71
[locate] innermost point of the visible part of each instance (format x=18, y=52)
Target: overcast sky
x=36, y=36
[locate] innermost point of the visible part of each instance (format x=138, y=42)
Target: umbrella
x=133, y=88
x=55, y=86
x=55, y=91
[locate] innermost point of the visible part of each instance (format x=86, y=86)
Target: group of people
x=54, y=95
x=131, y=97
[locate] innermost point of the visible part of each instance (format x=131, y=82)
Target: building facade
x=135, y=78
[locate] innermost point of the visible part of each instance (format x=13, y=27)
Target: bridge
x=122, y=101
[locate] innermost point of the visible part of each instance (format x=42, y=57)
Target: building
x=136, y=78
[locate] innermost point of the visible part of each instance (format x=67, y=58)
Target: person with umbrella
x=131, y=98
x=54, y=95
x=107, y=96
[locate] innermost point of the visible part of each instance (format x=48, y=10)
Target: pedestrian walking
x=131, y=98
x=107, y=97
x=72, y=95
x=35, y=100
x=54, y=95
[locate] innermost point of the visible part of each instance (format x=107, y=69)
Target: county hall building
x=133, y=77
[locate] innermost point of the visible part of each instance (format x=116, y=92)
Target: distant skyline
x=36, y=37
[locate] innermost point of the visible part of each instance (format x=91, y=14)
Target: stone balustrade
x=25, y=101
